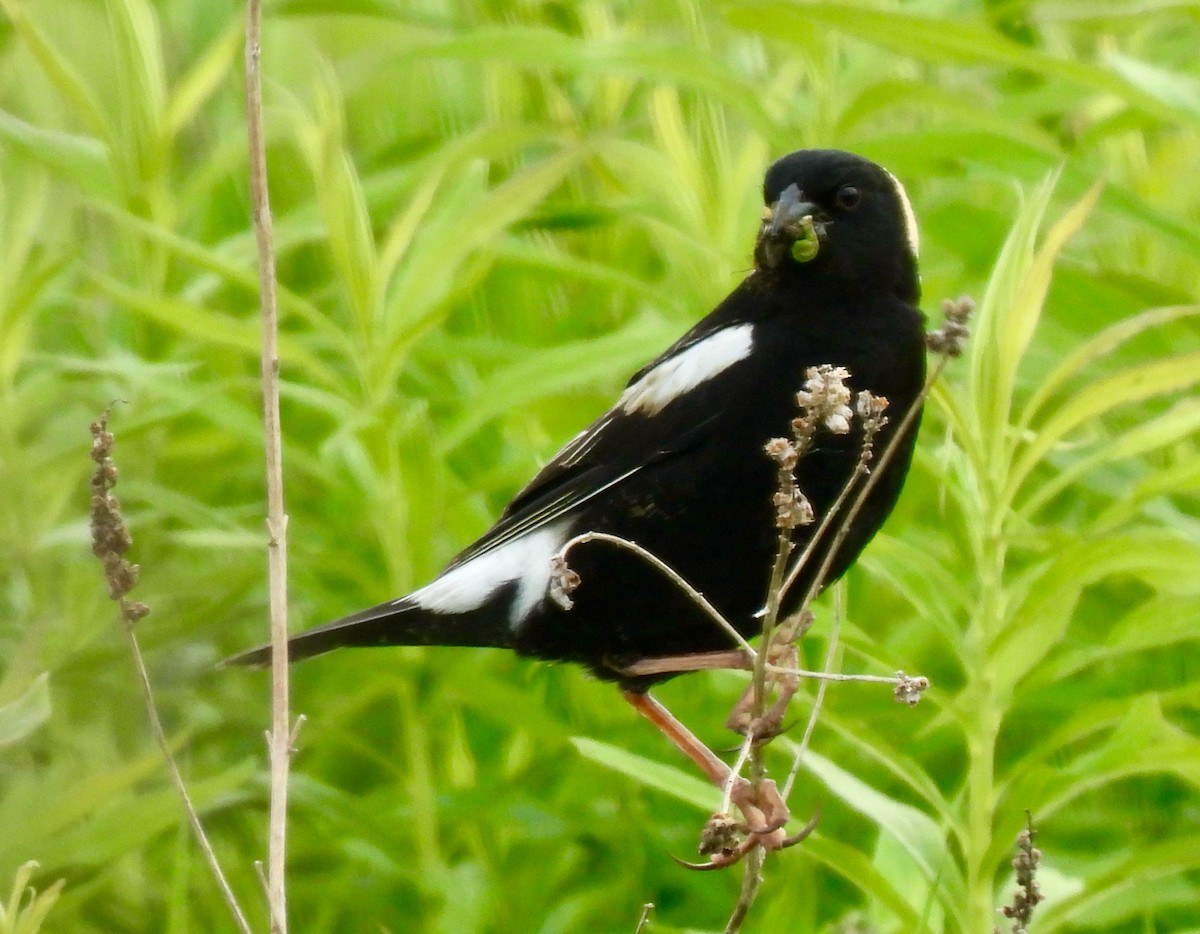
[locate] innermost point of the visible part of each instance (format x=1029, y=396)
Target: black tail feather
x=398, y=622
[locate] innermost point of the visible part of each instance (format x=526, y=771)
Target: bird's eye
x=848, y=197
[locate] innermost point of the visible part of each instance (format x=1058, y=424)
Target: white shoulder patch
x=910, y=219
x=688, y=369
x=525, y=559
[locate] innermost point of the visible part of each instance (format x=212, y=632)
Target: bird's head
x=838, y=215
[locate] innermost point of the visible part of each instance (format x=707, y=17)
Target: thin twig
x=735, y=770
x=860, y=498
x=825, y=677
x=876, y=471
x=755, y=753
x=160, y=737
x=834, y=675
x=281, y=729
x=110, y=541
x=751, y=882
x=669, y=572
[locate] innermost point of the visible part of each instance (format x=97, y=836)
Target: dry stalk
x=110, y=541
x=563, y=580
x=280, y=734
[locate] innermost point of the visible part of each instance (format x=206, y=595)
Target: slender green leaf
x=665, y=778
x=81, y=160
x=916, y=832
x=26, y=712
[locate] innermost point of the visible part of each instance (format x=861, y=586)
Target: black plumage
x=677, y=465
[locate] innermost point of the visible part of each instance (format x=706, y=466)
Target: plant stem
x=755, y=859
x=279, y=737
x=160, y=737
x=984, y=720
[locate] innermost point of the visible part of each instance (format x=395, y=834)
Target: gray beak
x=790, y=208
x=791, y=226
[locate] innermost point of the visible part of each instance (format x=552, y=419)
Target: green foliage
x=27, y=909
x=488, y=215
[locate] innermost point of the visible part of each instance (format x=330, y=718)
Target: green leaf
x=81, y=160
x=855, y=868
x=26, y=712
x=916, y=832
x=1096, y=348
x=203, y=79
x=1136, y=884
x=665, y=778
x=1159, y=622
x=141, y=76
x=213, y=328
x=557, y=370
x=1176, y=425
x=58, y=68
x=943, y=39
x=1179, y=91
x=1034, y=626
x=27, y=909
x=1135, y=383
x=1001, y=328
x=1145, y=742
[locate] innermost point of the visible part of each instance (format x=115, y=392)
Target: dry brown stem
x=110, y=542
x=279, y=737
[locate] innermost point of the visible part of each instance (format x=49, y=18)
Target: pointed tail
x=398, y=622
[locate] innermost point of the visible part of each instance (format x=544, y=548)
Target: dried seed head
x=110, y=535
x=792, y=508
x=909, y=690
x=563, y=582
x=870, y=407
x=719, y=836
x=1028, y=892
x=825, y=398
x=950, y=339
x=782, y=452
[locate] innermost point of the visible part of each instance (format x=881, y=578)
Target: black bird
x=677, y=464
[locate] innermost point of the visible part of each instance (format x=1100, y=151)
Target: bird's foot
x=768, y=724
x=726, y=842
x=762, y=806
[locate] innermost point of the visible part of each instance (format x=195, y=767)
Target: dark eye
x=848, y=197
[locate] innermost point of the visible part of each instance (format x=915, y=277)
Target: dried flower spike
x=825, y=398
x=950, y=339
x=110, y=536
x=909, y=690
x=563, y=582
x=1028, y=892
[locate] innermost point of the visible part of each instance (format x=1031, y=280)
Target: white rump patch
x=910, y=219
x=688, y=369
x=525, y=559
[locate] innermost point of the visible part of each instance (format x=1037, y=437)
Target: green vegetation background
x=489, y=214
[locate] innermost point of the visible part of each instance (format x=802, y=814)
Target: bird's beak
x=790, y=225
x=786, y=212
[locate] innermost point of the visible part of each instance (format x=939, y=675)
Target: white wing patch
x=525, y=559
x=688, y=369
x=911, y=232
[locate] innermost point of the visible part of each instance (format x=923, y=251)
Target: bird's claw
x=763, y=807
x=719, y=840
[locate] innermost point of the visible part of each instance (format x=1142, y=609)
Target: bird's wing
x=615, y=452
x=643, y=429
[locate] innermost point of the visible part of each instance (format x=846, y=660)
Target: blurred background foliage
x=489, y=213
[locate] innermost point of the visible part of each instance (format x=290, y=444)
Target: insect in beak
x=789, y=227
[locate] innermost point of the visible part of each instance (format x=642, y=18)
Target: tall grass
x=488, y=215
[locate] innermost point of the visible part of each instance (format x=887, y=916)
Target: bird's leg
x=770, y=723
x=727, y=660
x=763, y=808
